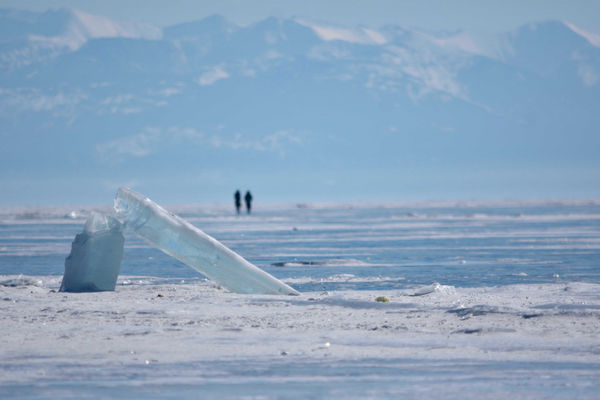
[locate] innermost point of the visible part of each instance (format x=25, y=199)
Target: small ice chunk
x=21, y=281
x=98, y=222
x=183, y=241
x=433, y=288
x=426, y=289
x=96, y=255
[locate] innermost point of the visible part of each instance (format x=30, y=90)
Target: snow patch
x=588, y=75
x=358, y=35
x=83, y=26
x=461, y=41
x=592, y=38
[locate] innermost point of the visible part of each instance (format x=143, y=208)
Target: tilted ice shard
x=190, y=245
x=95, y=258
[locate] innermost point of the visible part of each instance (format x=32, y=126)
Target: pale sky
x=479, y=16
x=424, y=178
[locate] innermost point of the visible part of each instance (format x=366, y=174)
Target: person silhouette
x=238, y=201
x=248, y=199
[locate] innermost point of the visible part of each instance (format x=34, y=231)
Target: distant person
x=248, y=199
x=238, y=201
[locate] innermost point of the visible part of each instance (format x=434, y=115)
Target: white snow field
x=188, y=340
x=494, y=300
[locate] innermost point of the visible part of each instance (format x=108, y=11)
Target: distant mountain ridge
x=295, y=107
x=69, y=26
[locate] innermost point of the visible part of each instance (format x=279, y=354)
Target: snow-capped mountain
x=296, y=107
x=31, y=37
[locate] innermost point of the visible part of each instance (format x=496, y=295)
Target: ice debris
x=21, y=281
x=183, y=241
x=95, y=258
x=434, y=288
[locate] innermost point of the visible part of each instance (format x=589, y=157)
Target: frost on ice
x=95, y=258
x=190, y=245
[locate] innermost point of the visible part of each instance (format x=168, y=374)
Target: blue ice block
x=190, y=245
x=95, y=258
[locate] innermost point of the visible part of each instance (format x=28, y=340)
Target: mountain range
x=294, y=110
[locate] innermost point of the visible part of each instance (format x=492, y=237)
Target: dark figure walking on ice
x=248, y=198
x=238, y=201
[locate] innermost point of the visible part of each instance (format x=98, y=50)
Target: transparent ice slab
x=183, y=241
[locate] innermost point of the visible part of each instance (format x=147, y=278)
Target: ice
x=21, y=281
x=95, y=258
x=495, y=335
x=190, y=245
x=433, y=288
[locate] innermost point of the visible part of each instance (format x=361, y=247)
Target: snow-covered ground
x=195, y=340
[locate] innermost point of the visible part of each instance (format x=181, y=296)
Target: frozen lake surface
x=486, y=300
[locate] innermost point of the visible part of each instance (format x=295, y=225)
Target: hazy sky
x=482, y=15
x=418, y=173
